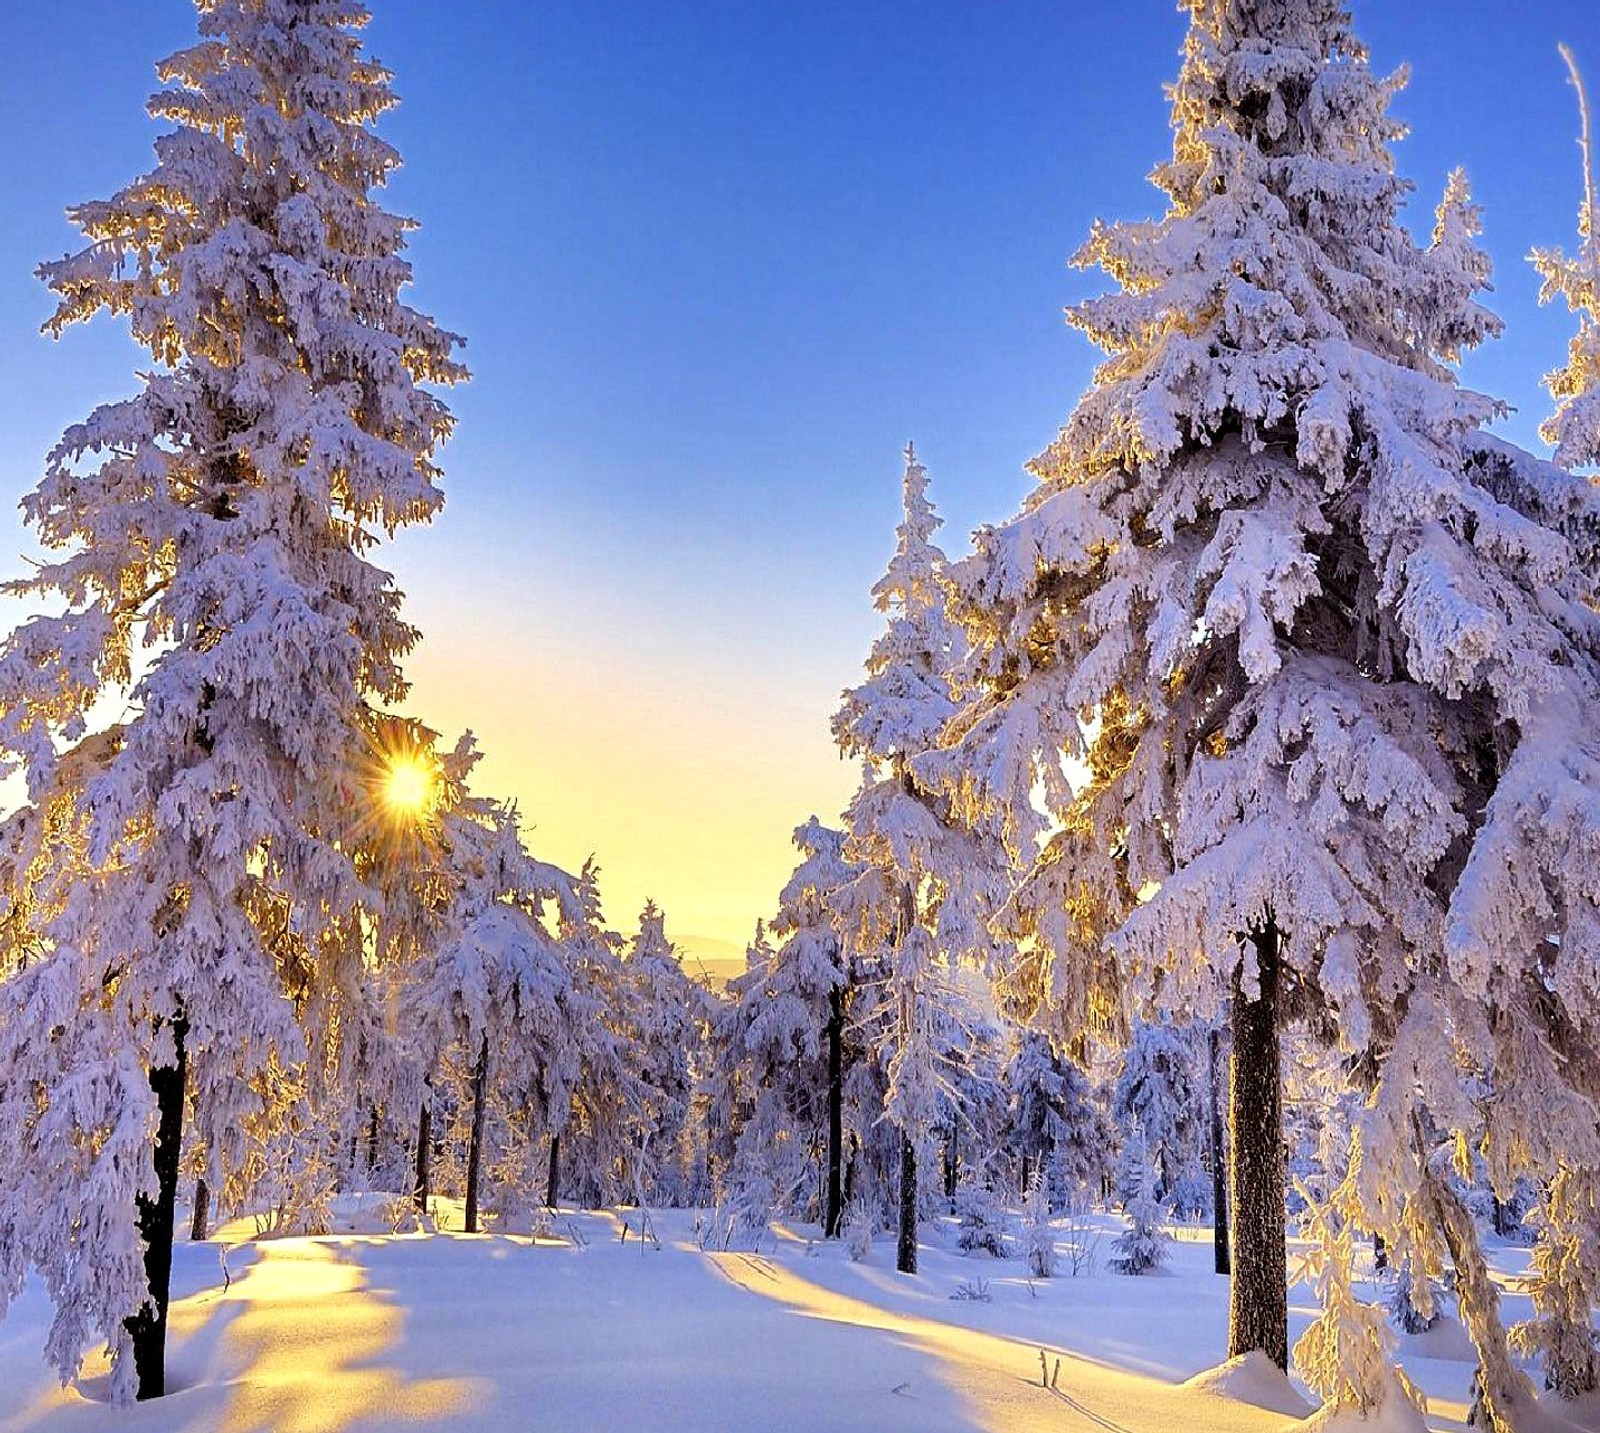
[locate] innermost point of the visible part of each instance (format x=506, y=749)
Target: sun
x=410, y=786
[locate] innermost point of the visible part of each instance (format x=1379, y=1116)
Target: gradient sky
x=716, y=262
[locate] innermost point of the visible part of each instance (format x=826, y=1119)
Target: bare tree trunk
x=834, y=1208
x=200, y=1225
x=372, y=1141
x=480, y=1090
x=419, y=1189
x=1027, y=1170
x=1258, y=1314
x=553, y=1178
x=906, y=1253
x=1219, y=1158
x=952, y=1161
x=147, y=1329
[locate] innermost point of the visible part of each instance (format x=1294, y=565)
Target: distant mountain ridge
x=719, y=960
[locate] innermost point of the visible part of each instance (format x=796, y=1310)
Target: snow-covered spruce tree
x=209, y=542
x=733, y=1092
x=1160, y=1091
x=921, y=896
x=1038, y=1234
x=592, y=1123
x=1317, y=648
x=663, y=1016
x=1574, y=428
x=1565, y=1279
x=981, y=1218
x=491, y=981
x=972, y=1049
x=1058, y=1132
x=783, y=1035
x=1565, y=1276
x=1142, y=1246
x=1346, y=1355
x=1321, y=1105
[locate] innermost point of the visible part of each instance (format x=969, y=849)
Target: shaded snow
x=583, y=1330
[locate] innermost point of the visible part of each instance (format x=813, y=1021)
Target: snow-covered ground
x=587, y=1330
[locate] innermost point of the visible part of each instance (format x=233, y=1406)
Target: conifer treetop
x=899, y=710
x=1269, y=590
x=1574, y=428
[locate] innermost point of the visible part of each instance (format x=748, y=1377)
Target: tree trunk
x=1380, y=1253
x=147, y=1329
x=1258, y=1314
x=1027, y=1171
x=552, y=1183
x=834, y=1209
x=372, y=1141
x=906, y=1254
x=1219, y=1159
x=419, y=1190
x=480, y=1090
x=952, y=1161
x=200, y=1225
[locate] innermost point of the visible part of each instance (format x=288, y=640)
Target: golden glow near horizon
x=685, y=785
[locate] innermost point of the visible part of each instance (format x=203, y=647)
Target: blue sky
x=716, y=262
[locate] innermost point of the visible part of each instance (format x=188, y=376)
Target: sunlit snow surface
x=499, y=1332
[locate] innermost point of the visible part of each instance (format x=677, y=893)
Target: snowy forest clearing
x=362, y=1330
x=1227, y=847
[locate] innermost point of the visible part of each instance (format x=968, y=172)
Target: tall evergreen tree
x=784, y=1033
x=925, y=886
x=663, y=1015
x=1160, y=1093
x=1061, y=1135
x=1320, y=649
x=1574, y=428
x=1565, y=1282
x=209, y=541
x=491, y=980
x=591, y=1123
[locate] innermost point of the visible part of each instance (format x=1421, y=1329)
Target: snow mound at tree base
x=1255, y=1379
x=1396, y=1414
x=1447, y=1341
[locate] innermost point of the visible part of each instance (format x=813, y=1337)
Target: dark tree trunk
x=372, y=1141
x=1219, y=1160
x=1258, y=1316
x=952, y=1162
x=552, y=1183
x=850, y=1171
x=147, y=1330
x=419, y=1189
x=834, y=1208
x=480, y=1091
x=1027, y=1171
x=200, y=1225
x=906, y=1253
